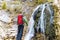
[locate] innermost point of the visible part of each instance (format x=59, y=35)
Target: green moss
x=41, y=1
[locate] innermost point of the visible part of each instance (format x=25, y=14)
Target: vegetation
x=4, y=5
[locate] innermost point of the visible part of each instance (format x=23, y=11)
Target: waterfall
x=41, y=21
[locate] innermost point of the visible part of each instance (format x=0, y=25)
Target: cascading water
x=42, y=21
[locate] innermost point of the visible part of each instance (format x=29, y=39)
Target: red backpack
x=20, y=19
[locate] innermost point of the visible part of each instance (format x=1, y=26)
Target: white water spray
x=41, y=21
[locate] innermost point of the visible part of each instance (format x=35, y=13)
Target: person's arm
x=25, y=20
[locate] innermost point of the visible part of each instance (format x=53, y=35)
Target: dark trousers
x=20, y=32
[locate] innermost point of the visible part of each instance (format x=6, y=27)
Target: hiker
x=21, y=21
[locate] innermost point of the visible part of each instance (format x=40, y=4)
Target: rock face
x=8, y=29
x=8, y=18
x=57, y=18
x=4, y=16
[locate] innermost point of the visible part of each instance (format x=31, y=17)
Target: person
x=21, y=21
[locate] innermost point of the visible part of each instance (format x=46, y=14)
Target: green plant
x=4, y=6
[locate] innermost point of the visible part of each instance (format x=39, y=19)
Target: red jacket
x=20, y=19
